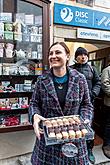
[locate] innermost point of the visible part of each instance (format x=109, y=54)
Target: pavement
x=101, y=159
x=25, y=159
x=22, y=147
x=99, y=156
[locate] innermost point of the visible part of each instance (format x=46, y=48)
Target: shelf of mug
x=11, y=59
x=15, y=128
x=7, y=60
x=14, y=94
x=8, y=77
x=14, y=111
x=35, y=59
x=22, y=41
x=7, y=41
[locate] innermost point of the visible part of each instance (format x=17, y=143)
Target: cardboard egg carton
x=63, y=129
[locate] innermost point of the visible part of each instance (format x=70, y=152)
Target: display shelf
x=20, y=42
x=24, y=43
x=14, y=111
x=8, y=77
x=13, y=60
x=7, y=60
x=6, y=41
x=15, y=128
x=14, y=94
x=10, y=60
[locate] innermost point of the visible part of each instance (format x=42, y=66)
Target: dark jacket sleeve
x=105, y=81
x=96, y=83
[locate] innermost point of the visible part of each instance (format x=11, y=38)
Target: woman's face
x=57, y=56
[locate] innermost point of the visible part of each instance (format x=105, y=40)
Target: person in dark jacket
x=94, y=84
x=61, y=91
x=105, y=82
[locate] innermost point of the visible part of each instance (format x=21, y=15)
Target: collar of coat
x=47, y=81
x=47, y=77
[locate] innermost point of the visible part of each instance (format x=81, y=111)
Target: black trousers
x=106, y=121
x=90, y=144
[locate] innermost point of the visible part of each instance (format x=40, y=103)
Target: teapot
x=20, y=54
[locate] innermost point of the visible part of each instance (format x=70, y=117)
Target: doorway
x=98, y=53
x=92, y=48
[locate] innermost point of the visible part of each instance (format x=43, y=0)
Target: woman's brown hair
x=63, y=45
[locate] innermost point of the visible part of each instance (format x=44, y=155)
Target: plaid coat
x=45, y=103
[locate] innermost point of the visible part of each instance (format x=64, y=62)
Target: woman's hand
x=37, y=118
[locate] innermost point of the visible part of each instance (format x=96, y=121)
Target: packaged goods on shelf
x=9, y=120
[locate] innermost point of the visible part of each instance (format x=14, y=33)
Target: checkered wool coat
x=45, y=103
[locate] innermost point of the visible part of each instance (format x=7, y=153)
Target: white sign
x=88, y=33
x=105, y=35
x=29, y=19
x=103, y=3
x=93, y=34
x=5, y=17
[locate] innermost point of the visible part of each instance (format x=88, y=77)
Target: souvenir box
x=8, y=35
x=5, y=17
x=66, y=129
x=17, y=36
x=8, y=27
x=20, y=17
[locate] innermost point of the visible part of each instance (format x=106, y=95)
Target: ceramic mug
x=9, y=53
x=0, y=69
x=6, y=70
x=40, y=56
x=34, y=54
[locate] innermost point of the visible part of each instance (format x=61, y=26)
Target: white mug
x=6, y=70
x=40, y=56
x=0, y=69
x=9, y=53
x=34, y=54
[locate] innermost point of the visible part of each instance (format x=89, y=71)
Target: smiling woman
x=58, y=58
x=62, y=91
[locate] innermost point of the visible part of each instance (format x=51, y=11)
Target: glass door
x=24, y=41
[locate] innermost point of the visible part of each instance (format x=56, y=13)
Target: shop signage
x=93, y=34
x=81, y=17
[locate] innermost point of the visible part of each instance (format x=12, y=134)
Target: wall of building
x=62, y=32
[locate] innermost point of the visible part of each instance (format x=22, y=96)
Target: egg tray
x=54, y=140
